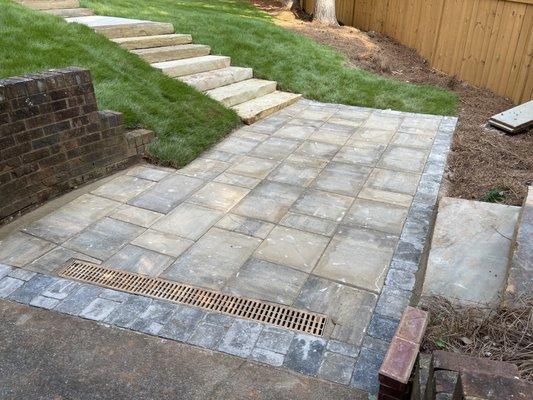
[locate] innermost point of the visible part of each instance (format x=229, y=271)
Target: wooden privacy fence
x=488, y=43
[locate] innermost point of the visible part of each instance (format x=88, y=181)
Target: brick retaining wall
x=53, y=138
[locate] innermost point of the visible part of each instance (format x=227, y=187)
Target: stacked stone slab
x=176, y=56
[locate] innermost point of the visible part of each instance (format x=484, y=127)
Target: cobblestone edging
x=336, y=361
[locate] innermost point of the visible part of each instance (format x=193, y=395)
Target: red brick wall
x=53, y=138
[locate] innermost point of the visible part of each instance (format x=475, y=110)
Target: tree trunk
x=325, y=12
x=293, y=5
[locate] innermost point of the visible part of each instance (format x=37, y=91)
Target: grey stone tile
x=372, y=135
x=343, y=348
x=236, y=145
x=384, y=196
x=364, y=153
x=275, y=148
x=168, y=193
x=393, y=181
x=269, y=125
x=267, y=281
x=164, y=243
x=20, y=249
x=188, y=221
x=316, y=113
x=365, y=375
x=304, y=160
x=123, y=188
x=382, y=328
x=359, y=257
x=104, y=238
x=404, y=159
x=340, y=303
x=381, y=121
x=141, y=261
x=305, y=354
x=342, y=178
x=247, y=134
x=115, y=295
x=376, y=215
x=322, y=204
x=22, y=274
x=319, y=150
x=240, y=338
x=328, y=134
x=308, y=223
x=72, y=218
x=213, y=259
x=336, y=367
x=56, y=258
x=400, y=279
x=267, y=357
x=77, y=300
x=182, y=323
x=4, y=270
x=218, y=196
x=148, y=172
x=126, y=313
x=204, y=168
x=153, y=318
x=274, y=339
x=44, y=302
x=252, y=167
x=219, y=155
x=392, y=302
x=207, y=335
x=413, y=140
x=60, y=289
x=98, y=309
x=219, y=319
x=31, y=288
x=135, y=215
x=376, y=345
x=293, y=248
x=295, y=131
x=350, y=113
x=294, y=174
x=246, y=226
x=237, y=180
x=8, y=285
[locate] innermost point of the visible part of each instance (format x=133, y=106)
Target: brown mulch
x=505, y=334
x=482, y=158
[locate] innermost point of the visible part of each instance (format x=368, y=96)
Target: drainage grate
x=256, y=310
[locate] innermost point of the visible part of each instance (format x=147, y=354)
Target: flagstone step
x=168, y=53
x=49, y=4
x=70, y=12
x=145, y=42
x=253, y=110
x=116, y=27
x=216, y=78
x=188, y=66
x=241, y=92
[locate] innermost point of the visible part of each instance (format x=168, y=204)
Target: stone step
x=481, y=386
x=217, y=78
x=194, y=65
x=241, y=92
x=116, y=27
x=70, y=12
x=168, y=53
x=253, y=110
x=145, y=42
x=49, y=4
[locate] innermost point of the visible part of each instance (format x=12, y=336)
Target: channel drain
x=256, y=310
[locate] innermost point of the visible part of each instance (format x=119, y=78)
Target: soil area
x=483, y=160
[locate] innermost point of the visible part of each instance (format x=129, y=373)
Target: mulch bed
x=482, y=159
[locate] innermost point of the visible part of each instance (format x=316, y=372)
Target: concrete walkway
x=70, y=358
x=322, y=207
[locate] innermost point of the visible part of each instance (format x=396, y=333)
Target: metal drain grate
x=256, y=310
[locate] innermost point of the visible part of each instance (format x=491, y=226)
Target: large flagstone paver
x=320, y=206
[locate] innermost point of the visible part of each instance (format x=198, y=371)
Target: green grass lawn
x=236, y=28
x=186, y=121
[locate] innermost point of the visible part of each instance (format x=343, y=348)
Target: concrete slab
x=470, y=251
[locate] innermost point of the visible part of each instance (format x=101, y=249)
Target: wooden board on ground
x=514, y=120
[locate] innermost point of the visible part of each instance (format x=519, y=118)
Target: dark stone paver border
x=331, y=360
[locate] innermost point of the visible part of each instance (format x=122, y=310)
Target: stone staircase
x=481, y=253
x=178, y=57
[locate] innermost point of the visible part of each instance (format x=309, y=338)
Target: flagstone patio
x=320, y=206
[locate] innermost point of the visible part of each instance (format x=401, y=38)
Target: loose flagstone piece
x=188, y=221
x=293, y=248
x=164, y=243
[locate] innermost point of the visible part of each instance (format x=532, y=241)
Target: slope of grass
x=186, y=122
x=238, y=29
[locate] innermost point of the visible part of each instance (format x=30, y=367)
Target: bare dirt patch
x=482, y=158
